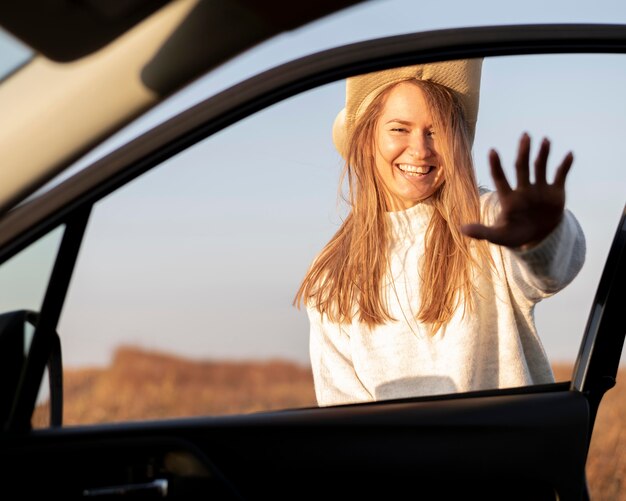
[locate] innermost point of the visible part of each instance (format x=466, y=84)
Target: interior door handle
x=156, y=488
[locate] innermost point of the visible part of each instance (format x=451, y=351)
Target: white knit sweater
x=496, y=346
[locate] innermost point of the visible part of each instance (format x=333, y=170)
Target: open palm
x=531, y=210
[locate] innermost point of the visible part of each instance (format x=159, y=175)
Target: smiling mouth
x=415, y=170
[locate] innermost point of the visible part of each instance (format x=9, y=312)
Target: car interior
x=106, y=65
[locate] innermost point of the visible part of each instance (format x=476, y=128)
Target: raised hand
x=531, y=210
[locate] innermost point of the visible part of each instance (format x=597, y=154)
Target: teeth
x=414, y=169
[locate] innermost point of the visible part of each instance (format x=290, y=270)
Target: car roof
x=97, y=65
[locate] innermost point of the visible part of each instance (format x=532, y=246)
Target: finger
x=523, y=159
x=541, y=162
x=563, y=169
x=497, y=173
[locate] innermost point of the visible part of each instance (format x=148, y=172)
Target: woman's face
x=406, y=153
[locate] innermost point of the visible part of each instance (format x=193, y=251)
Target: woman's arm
x=550, y=265
x=543, y=243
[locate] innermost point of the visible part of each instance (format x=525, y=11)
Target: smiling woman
x=401, y=302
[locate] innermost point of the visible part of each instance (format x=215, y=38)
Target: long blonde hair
x=346, y=278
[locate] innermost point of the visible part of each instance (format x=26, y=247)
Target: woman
x=430, y=283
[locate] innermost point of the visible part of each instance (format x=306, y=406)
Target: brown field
x=143, y=385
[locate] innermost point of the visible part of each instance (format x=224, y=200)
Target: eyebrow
x=404, y=122
x=398, y=120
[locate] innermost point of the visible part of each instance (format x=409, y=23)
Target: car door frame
x=596, y=366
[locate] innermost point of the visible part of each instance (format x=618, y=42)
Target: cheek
x=383, y=160
x=382, y=166
x=389, y=149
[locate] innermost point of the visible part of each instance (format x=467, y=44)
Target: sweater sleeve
x=334, y=377
x=552, y=264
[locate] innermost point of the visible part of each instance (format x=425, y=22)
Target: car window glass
x=23, y=284
x=193, y=268
x=41, y=413
x=24, y=277
x=181, y=300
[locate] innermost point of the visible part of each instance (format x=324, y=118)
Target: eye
x=399, y=129
x=430, y=133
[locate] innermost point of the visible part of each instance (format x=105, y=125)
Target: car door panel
x=514, y=446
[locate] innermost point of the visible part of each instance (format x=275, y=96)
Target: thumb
x=478, y=231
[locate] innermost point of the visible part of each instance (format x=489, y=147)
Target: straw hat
x=461, y=76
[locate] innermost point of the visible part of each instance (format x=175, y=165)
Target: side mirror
x=17, y=329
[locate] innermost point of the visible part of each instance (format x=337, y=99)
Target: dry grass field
x=144, y=385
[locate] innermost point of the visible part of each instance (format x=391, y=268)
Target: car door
x=517, y=443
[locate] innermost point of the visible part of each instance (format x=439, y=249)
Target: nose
x=420, y=146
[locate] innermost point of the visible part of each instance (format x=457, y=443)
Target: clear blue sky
x=575, y=100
